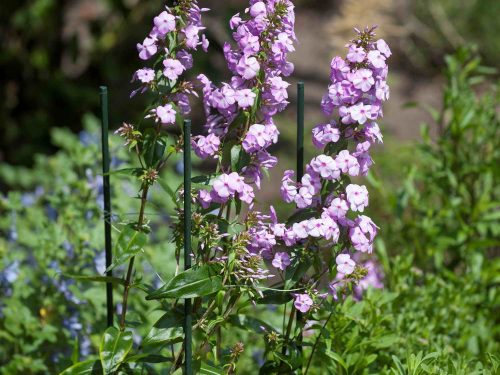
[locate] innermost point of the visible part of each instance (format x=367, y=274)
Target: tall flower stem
x=288, y=330
x=316, y=343
x=128, y=277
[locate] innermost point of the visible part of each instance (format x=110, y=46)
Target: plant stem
x=128, y=278
x=288, y=329
x=316, y=343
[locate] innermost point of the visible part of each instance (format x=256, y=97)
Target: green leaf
x=239, y=158
x=148, y=358
x=296, y=272
x=154, y=150
x=167, y=330
x=210, y=370
x=129, y=244
x=115, y=346
x=235, y=157
x=249, y=323
x=128, y=172
x=171, y=193
x=89, y=367
x=102, y=279
x=274, y=297
x=195, y=282
x=337, y=358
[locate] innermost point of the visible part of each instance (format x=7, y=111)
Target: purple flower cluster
x=243, y=107
x=358, y=88
x=225, y=187
x=358, y=78
x=176, y=31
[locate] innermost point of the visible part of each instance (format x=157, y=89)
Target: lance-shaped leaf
x=249, y=323
x=115, y=345
x=206, y=369
x=275, y=297
x=167, y=330
x=129, y=244
x=195, y=282
x=89, y=367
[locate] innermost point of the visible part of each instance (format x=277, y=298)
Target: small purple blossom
x=172, y=68
x=345, y=264
x=165, y=114
x=357, y=197
x=205, y=147
x=281, y=261
x=147, y=49
x=303, y=302
x=324, y=134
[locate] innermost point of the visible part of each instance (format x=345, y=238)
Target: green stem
x=128, y=277
x=316, y=343
x=288, y=330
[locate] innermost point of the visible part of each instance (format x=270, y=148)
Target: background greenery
x=435, y=199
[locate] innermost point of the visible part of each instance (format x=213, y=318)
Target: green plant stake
x=188, y=334
x=300, y=165
x=107, y=200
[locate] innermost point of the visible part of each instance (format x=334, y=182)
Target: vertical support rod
x=300, y=166
x=300, y=130
x=188, y=334
x=103, y=94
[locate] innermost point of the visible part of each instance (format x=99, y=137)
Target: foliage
x=435, y=316
x=50, y=230
x=448, y=320
x=447, y=208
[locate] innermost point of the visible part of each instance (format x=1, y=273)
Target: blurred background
x=56, y=53
x=432, y=288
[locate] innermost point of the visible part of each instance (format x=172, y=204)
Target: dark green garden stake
x=107, y=199
x=188, y=334
x=300, y=166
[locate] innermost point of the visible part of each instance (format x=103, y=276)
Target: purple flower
x=204, y=198
x=191, y=33
x=356, y=54
x=260, y=137
x=205, y=146
x=338, y=208
x=301, y=229
x=164, y=23
x=303, y=302
x=376, y=59
x=248, y=67
x=147, y=49
x=288, y=188
x=226, y=185
x=347, y=163
x=363, y=233
x=173, y=68
x=165, y=114
x=324, y=134
x=258, y=9
x=360, y=113
x=345, y=264
x=372, y=132
x=372, y=279
x=245, y=98
x=383, y=48
x=281, y=261
x=326, y=167
x=363, y=79
x=145, y=75
x=185, y=58
x=357, y=197
x=331, y=231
